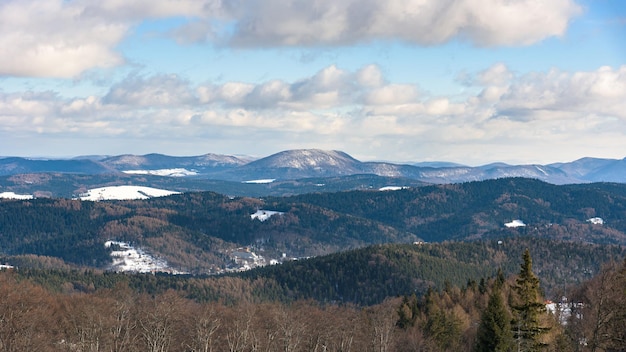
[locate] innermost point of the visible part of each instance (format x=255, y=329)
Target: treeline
x=495, y=313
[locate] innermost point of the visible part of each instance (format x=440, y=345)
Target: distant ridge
x=158, y=161
x=16, y=166
x=315, y=163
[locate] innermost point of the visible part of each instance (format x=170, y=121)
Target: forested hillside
x=368, y=275
x=480, y=209
x=192, y=231
x=195, y=232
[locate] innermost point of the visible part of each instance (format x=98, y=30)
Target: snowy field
x=177, y=172
x=262, y=181
x=124, y=193
x=12, y=195
x=130, y=259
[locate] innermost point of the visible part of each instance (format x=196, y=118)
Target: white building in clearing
x=596, y=221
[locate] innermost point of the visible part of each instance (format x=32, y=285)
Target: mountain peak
x=309, y=159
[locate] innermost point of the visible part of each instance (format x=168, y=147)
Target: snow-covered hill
x=124, y=193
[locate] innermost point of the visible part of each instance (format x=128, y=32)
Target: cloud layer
x=58, y=38
x=355, y=107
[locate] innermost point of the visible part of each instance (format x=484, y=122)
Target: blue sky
x=468, y=81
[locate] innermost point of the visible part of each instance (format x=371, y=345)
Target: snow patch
x=130, y=259
x=176, y=172
x=515, y=223
x=263, y=215
x=392, y=188
x=124, y=193
x=261, y=181
x=12, y=195
x=596, y=221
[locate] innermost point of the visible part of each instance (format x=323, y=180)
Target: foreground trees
x=598, y=311
x=529, y=309
x=494, y=332
x=497, y=314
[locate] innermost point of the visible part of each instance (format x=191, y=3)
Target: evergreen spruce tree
x=494, y=332
x=528, y=307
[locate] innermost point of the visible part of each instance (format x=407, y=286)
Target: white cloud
x=497, y=75
x=235, y=92
x=595, y=92
x=156, y=91
x=506, y=112
x=423, y=22
x=54, y=38
x=392, y=94
x=370, y=76
x=57, y=38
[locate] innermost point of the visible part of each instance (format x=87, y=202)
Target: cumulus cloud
x=391, y=94
x=595, y=92
x=530, y=110
x=423, y=22
x=156, y=91
x=53, y=38
x=58, y=38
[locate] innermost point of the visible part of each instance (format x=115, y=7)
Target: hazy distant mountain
x=437, y=164
x=315, y=163
x=15, y=166
x=598, y=170
x=299, y=163
x=202, y=163
x=582, y=167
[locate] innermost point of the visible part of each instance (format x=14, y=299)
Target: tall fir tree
x=528, y=308
x=494, y=332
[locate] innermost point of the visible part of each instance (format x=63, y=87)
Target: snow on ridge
x=13, y=195
x=176, y=172
x=263, y=215
x=124, y=193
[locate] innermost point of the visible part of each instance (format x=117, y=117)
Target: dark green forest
x=478, y=209
x=193, y=231
x=365, y=276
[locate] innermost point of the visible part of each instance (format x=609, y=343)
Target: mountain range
x=326, y=168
